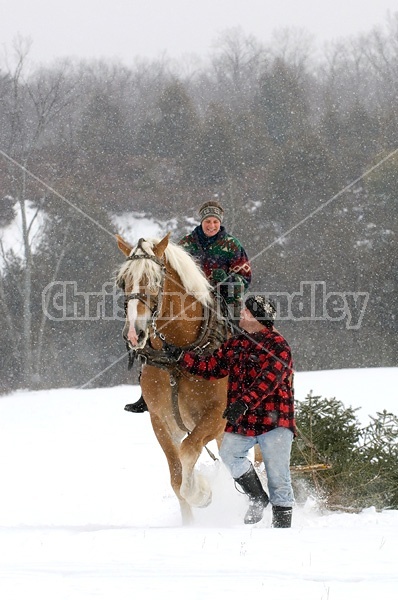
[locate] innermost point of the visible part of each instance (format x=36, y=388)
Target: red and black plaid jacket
x=260, y=370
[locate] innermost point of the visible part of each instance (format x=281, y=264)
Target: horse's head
x=142, y=279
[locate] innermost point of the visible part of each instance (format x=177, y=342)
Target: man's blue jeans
x=275, y=447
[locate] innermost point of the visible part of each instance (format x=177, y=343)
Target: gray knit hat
x=261, y=308
x=211, y=209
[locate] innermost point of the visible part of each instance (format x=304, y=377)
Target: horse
x=168, y=299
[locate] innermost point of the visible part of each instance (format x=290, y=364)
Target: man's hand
x=234, y=411
x=172, y=351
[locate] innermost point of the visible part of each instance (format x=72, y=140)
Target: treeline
x=300, y=150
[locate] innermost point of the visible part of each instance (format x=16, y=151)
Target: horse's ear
x=160, y=248
x=124, y=246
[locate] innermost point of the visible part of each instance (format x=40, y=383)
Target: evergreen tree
x=213, y=157
x=281, y=102
x=171, y=133
x=345, y=465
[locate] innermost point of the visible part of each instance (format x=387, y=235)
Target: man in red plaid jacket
x=260, y=406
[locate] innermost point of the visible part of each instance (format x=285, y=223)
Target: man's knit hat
x=261, y=308
x=211, y=209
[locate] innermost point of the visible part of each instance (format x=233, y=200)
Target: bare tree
x=237, y=65
x=31, y=105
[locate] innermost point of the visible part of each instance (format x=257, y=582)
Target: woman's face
x=211, y=226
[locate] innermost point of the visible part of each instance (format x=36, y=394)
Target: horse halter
x=155, y=310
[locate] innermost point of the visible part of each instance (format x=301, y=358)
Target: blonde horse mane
x=192, y=277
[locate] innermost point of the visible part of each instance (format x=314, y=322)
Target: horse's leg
x=202, y=403
x=170, y=449
x=155, y=385
x=258, y=457
x=195, y=488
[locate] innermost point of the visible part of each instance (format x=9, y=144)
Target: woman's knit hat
x=211, y=209
x=261, y=308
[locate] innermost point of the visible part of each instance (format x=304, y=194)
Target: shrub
x=345, y=465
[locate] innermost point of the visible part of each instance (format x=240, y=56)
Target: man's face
x=248, y=322
x=246, y=319
x=211, y=226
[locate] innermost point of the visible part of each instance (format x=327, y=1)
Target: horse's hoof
x=206, y=501
x=200, y=499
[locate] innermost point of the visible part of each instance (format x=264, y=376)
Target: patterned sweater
x=260, y=371
x=221, y=251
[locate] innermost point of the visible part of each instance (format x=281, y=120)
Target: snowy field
x=86, y=511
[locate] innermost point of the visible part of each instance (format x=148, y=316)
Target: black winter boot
x=251, y=485
x=281, y=516
x=138, y=407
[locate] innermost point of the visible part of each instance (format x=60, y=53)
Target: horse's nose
x=130, y=335
x=133, y=334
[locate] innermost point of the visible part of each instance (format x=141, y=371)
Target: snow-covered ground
x=86, y=511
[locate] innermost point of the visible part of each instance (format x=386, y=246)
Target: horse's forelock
x=132, y=271
x=147, y=246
